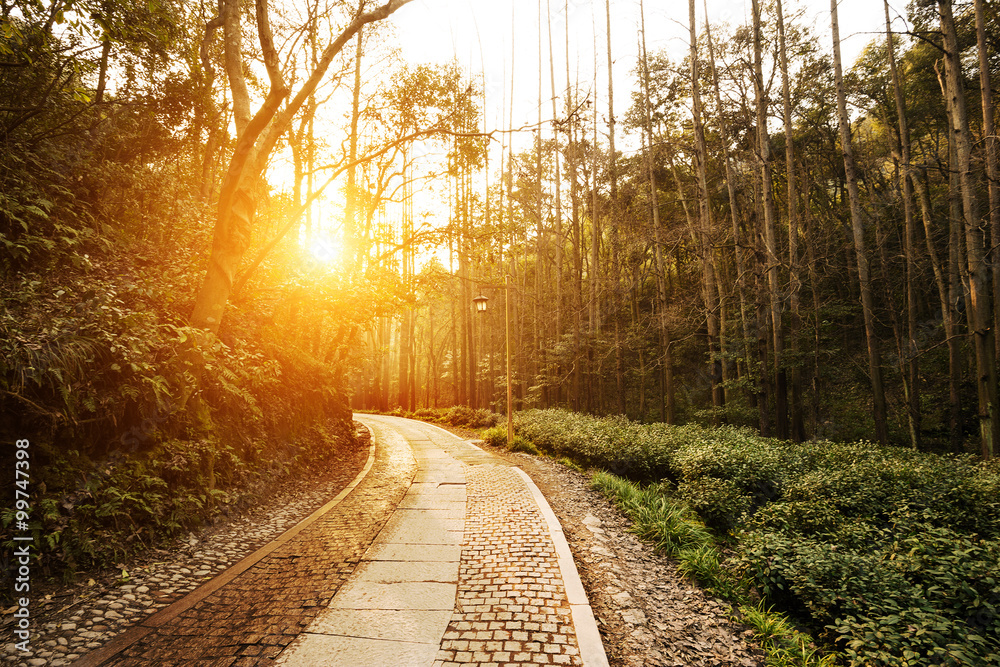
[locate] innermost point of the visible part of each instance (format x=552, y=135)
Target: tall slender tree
x=980, y=312
x=705, y=240
x=797, y=432
x=912, y=384
x=860, y=245
x=992, y=171
x=257, y=135
x=771, y=257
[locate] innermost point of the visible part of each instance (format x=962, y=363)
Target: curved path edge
x=588, y=636
x=136, y=632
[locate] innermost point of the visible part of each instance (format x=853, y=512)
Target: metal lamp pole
x=510, y=393
x=480, y=303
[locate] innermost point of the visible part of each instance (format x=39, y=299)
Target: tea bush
x=615, y=444
x=495, y=436
x=519, y=444
x=888, y=554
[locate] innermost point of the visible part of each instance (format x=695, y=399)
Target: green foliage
x=612, y=443
x=670, y=525
x=889, y=554
x=718, y=501
x=569, y=463
x=676, y=531
x=784, y=645
x=519, y=444
x=457, y=415
x=463, y=415
x=104, y=511
x=910, y=597
x=495, y=436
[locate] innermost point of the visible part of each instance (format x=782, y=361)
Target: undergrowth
x=887, y=556
x=96, y=370
x=677, y=532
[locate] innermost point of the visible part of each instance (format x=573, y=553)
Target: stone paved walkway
x=442, y=555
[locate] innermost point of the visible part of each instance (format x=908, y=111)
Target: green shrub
x=614, y=444
x=911, y=598
x=570, y=464
x=429, y=414
x=463, y=415
x=495, y=436
x=459, y=415
x=485, y=419
x=757, y=467
x=519, y=444
x=670, y=525
x=890, y=554
x=718, y=501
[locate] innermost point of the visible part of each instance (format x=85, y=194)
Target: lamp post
x=510, y=395
x=480, y=303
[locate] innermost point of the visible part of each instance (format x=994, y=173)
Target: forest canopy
x=225, y=225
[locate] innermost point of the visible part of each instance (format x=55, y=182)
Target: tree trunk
x=860, y=247
x=980, y=314
x=911, y=354
x=234, y=222
x=351, y=249
x=668, y=408
x=773, y=262
x=992, y=173
x=615, y=214
x=794, y=282
x=738, y=243
x=711, y=289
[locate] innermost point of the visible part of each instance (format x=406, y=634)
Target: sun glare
x=325, y=250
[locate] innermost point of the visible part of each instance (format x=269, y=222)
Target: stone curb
x=137, y=632
x=588, y=637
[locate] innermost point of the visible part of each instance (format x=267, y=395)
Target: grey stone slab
x=432, y=487
x=438, y=494
x=440, y=476
x=431, y=454
x=422, y=527
x=451, y=511
x=414, y=553
x=333, y=651
x=428, y=501
x=405, y=625
x=390, y=572
x=436, y=465
x=414, y=532
x=402, y=595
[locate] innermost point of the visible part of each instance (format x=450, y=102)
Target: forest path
x=438, y=554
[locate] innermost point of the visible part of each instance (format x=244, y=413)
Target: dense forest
x=217, y=240
x=803, y=249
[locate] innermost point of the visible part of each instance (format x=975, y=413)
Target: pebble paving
x=512, y=607
x=254, y=617
x=85, y=617
x=507, y=604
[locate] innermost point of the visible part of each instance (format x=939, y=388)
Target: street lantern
x=480, y=302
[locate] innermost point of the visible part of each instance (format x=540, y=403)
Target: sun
x=326, y=250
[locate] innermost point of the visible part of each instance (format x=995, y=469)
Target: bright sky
x=479, y=34
x=494, y=36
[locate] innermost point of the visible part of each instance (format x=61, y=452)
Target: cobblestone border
x=135, y=633
x=588, y=636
